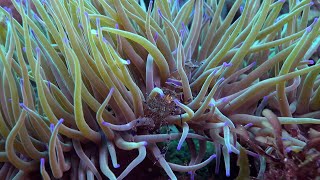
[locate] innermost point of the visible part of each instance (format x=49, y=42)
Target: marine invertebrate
x=82, y=79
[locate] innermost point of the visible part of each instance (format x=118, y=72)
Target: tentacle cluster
x=82, y=81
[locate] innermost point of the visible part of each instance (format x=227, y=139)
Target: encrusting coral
x=83, y=79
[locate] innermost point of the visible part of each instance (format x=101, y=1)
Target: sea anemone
x=86, y=81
